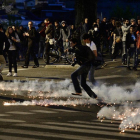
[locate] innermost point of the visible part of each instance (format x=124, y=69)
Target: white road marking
x=11, y=120
x=96, y=123
x=20, y=113
x=88, y=131
x=82, y=126
x=43, y=111
x=2, y=137
x=2, y=115
x=64, y=110
x=47, y=134
x=108, y=121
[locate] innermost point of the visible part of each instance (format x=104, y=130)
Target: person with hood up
x=65, y=35
x=125, y=31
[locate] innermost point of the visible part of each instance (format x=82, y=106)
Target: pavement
x=37, y=105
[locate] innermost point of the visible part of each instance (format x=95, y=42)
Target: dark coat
x=49, y=32
x=31, y=38
x=3, y=39
x=84, y=55
x=130, y=40
x=56, y=33
x=41, y=37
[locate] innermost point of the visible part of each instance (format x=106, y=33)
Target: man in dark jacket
x=84, y=57
x=3, y=39
x=41, y=48
x=49, y=31
x=30, y=35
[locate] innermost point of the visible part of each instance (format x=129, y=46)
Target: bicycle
x=56, y=56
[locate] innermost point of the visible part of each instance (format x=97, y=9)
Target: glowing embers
x=128, y=113
x=54, y=102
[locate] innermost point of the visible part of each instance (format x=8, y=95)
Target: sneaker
x=15, y=75
x=9, y=74
x=24, y=66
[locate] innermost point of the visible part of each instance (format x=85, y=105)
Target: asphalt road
x=37, y=104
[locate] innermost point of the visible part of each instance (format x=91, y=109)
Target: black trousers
x=12, y=55
x=30, y=51
x=82, y=71
x=48, y=46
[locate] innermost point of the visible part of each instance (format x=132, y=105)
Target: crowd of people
x=115, y=37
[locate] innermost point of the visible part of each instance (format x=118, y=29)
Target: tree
x=85, y=9
x=120, y=12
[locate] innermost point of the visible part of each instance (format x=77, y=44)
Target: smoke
x=121, y=103
x=64, y=88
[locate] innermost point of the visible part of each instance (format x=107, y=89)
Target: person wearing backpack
x=30, y=36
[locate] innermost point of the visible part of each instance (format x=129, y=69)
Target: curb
x=62, y=66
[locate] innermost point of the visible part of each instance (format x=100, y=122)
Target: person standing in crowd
x=15, y=29
x=41, y=48
x=117, y=41
x=104, y=34
x=72, y=30
x=138, y=39
x=13, y=38
x=95, y=36
x=132, y=49
x=56, y=30
x=65, y=35
x=30, y=35
x=3, y=40
x=133, y=22
x=84, y=57
x=49, y=31
x=125, y=31
x=111, y=29
x=98, y=22
x=138, y=35
x=85, y=28
x=92, y=46
x=56, y=37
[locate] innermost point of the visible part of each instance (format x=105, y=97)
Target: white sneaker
x=9, y=74
x=15, y=74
